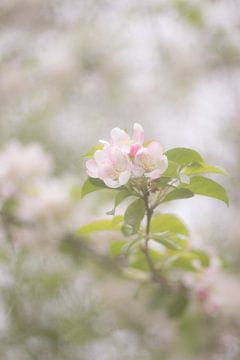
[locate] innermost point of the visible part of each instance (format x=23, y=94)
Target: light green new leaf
x=168, y=222
x=93, y=149
x=91, y=185
x=191, y=260
x=183, y=156
x=116, y=248
x=170, y=242
x=203, y=186
x=203, y=168
x=136, y=274
x=138, y=260
x=133, y=217
x=101, y=225
x=202, y=256
x=76, y=192
x=177, y=194
x=120, y=197
x=116, y=220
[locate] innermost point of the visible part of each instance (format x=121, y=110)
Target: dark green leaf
x=178, y=194
x=133, y=217
x=97, y=183
x=121, y=196
x=203, y=186
x=178, y=304
x=183, y=156
x=92, y=185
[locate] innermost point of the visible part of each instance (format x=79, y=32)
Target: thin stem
x=162, y=194
x=155, y=276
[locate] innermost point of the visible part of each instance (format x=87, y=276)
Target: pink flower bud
x=202, y=294
x=134, y=149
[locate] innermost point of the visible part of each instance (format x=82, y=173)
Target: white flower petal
x=101, y=156
x=163, y=164
x=137, y=171
x=184, y=178
x=121, y=160
x=124, y=177
x=155, y=150
x=155, y=174
x=142, y=156
x=111, y=183
x=119, y=137
x=104, y=142
x=92, y=168
x=105, y=170
x=138, y=134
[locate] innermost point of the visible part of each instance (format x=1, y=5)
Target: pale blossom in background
x=46, y=200
x=20, y=165
x=34, y=195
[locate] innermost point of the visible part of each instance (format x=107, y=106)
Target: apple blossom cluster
x=203, y=285
x=29, y=193
x=21, y=165
x=124, y=157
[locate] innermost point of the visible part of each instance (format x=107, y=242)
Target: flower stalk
x=156, y=277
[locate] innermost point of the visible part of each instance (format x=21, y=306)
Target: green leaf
x=172, y=170
x=178, y=303
x=202, y=256
x=120, y=197
x=138, y=260
x=183, y=156
x=76, y=192
x=203, y=186
x=3, y=256
x=171, y=242
x=93, y=149
x=202, y=168
x=187, y=260
x=168, y=222
x=161, y=183
x=116, y=248
x=177, y=194
x=116, y=220
x=91, y=185
x=136, y=274
x=101, y=225
x=133, y=217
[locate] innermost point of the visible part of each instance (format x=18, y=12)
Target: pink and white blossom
x=150, y=162
x=122, y=140
x=111, y=165
x=124, y=157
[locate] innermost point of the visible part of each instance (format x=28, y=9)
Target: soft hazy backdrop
x=70, y=70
